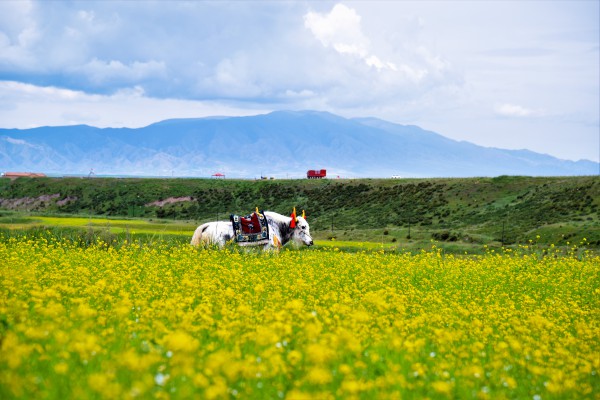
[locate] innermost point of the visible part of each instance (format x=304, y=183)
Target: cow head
x=301, y=233
x=300, y=229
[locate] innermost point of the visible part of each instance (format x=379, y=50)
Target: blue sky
x=508, y=74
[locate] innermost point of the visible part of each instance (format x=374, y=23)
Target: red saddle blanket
x=250, y=224
x=250, y=230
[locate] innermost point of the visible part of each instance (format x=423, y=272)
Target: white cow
x=280, y=232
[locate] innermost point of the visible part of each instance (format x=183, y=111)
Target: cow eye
x=304, y=227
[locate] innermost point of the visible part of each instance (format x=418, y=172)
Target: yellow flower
x=218, y=390
x=509, y=382
x=298, y=395
x=350, y=386
x=345, y=369
x=294, y=357
x=319, y=376
x=318, y=353
x=105, y=385
x=200, y=380
x=61, y=368
x=172, y=321
x=180, y=341
x=442, y=387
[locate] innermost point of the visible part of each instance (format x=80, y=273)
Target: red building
x=15, y=175
x=316, y=174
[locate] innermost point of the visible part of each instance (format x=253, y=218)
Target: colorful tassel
x=293, y=222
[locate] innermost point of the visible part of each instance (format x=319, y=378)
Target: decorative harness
x=251, y=230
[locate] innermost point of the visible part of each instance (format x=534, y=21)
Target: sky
x=507, y=74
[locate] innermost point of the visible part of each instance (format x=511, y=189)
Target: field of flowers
x=178, y=322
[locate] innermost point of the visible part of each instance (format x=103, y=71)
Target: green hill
x=472, y=210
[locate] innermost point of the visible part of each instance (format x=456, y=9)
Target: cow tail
x=197, y=237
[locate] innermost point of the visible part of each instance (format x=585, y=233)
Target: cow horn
x=303, y=214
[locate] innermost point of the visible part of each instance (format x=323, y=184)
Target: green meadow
x=460, y=215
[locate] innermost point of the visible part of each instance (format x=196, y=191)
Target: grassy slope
x=456, y=211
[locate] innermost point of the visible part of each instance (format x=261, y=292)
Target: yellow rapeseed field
x=179, y=322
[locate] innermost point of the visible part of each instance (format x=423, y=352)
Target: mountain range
x=280, y=144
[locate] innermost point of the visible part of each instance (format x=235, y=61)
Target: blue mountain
x=279, y=144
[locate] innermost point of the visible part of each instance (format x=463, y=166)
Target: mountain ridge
x=280, y=144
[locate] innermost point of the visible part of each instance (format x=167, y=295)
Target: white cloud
x=102, y=72
x=18, y=34
x=260, y=53
x=236, y=77
x=341, y=30
x=18, y=142
x=33, y=106
x=18, y=91
x=513, y=110
x=302, y=94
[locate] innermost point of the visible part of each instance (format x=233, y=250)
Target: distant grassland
x=86, y=230
x=115, y=231
x=462, y=214
x=121, y=225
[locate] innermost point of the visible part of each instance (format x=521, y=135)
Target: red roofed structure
x=316, y=174
x=15, y=175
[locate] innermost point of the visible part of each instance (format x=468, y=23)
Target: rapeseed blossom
x=178, y=322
